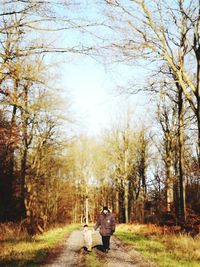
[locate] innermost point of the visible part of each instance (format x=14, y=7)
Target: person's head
x=105, y=210
x=85, y=226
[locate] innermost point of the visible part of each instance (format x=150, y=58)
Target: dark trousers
x=106, y=242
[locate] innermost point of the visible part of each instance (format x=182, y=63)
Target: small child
x=87, y=235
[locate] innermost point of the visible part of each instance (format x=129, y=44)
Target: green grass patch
x=92, y=259
x=32, y=252
x=160, y=249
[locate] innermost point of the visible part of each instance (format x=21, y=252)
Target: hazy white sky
x=92, y=87
x=95, y=100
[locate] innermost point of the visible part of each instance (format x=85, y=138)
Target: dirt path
x=71, y=253
x=120, y=255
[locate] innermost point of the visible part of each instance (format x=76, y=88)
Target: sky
x=92, y=87
x=95, y=101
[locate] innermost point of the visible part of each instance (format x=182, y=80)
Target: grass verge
x=32, y=252
x=166, y=250
x=92, y=260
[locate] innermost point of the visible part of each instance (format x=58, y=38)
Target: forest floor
x=73, y=254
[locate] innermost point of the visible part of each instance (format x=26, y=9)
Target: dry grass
x=149, y=229
x=9, y=231
x=184, y=246
x=19, y=249
x=164, y=245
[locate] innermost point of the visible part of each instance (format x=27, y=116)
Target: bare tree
x=169, y=129
x=24, y=51
x=161, y=31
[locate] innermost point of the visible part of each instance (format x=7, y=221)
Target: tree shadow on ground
x=84, y=248
x=99, y=247
x=26, y=260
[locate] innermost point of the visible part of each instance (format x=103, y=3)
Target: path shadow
x=84, y=248
x=99, y=247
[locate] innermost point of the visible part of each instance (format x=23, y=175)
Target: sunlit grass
x=92, y=260
x=161, y=246
x=25, y=251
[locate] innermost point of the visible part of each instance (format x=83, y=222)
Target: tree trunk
x=22, y=183
x=9, y=196
x=181, y=156
x=170, y=183
x=126, y=187
x=86, y=210
x=198, y=102
x=126, y=200
x=142, y=170
x=117, y=201
x=25, y=151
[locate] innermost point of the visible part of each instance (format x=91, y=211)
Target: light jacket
x=87, y=235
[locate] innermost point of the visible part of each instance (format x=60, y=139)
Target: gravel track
x=120, y=255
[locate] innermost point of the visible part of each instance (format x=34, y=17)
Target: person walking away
x=106, y=225
x=87, y=236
